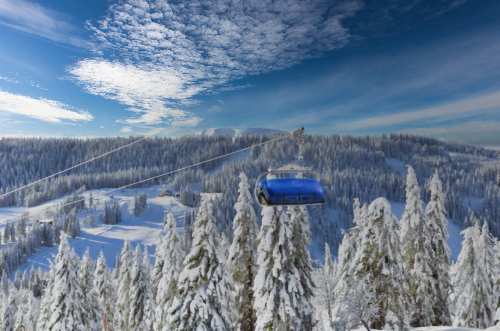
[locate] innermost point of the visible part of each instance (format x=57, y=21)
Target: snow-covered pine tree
x=138, y=294
x=241, y=259
x=66, y=309
x=104, y=288
x=122, y=308
x=21, y=317
x=173, y=256
x=156, y=272
x=277, y=286
x=149, y=310
x=440, y=257
x=91, y=307
x=8, y=313
x=377, y=265
x=188, y=230
x=325, y=280
x=487, y=291
x=466, y=312
x=417, y=256
x=204, y=287
x=45, y=312
x=301, y=239
x=32, y=314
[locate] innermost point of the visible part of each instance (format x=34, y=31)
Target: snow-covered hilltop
x=237, y=132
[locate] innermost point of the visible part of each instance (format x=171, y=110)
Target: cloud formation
x=42, y=109
x=474, y=132
x=460, y=109
x=36, y=20
x=170, y=52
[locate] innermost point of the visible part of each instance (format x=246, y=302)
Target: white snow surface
x=144, y=229
x=236, y=132
x=438, y=328
x=397, y=165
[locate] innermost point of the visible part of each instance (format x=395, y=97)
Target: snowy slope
x=144, y=229
x=236, y=132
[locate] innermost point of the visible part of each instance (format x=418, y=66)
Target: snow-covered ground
x=236, y=132
x=144, y=229
x=397, y=165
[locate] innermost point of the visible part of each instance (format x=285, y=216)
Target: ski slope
x=144, y=229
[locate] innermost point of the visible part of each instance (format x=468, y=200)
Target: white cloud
x=102, y=127
x=214, y=109
x=34, y=19
x=126, y=129
x=473, y=132
x=42, y=109
x=190, y=122
x=451, y=111
x=145, y=89
x=171, y=52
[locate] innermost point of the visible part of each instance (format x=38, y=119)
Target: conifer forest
x=222, y=262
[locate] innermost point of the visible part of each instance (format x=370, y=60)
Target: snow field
x=144, y=229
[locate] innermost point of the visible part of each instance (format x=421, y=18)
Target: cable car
x=291, y=185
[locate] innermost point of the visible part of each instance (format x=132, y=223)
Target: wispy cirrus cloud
x=169, y=52
x=42, y=109
x=451, y=111
x=34, y=19
x=473, y=132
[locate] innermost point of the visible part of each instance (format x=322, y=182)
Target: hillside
x=382, y=172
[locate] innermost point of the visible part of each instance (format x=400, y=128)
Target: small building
x=46, y=221
x=165, y=193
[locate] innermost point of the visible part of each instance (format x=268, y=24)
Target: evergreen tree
x=138, y=293
x=104, y=288
x=488, y=293
x=301, y=239
x=149, y=310
x=417, y=256
x=32, y=314
x=204, y=288
x=67, y=306
x=465, y=282
x=8, y=313
x=376, y=267
x=161, y=247
x=21, y=319
x=188, y=230
x=440, y=257
x=241, y=260
x=277, y=286
x=122, y=308
x=91, y=308
x=325, y=280
x=171, y=252
x=45, y=312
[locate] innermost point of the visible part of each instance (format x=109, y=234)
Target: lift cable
x=158, y=176
x=80, y=164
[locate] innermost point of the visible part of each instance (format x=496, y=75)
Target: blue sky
x=97, y=68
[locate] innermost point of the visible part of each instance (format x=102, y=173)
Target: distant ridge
x=236, y=132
